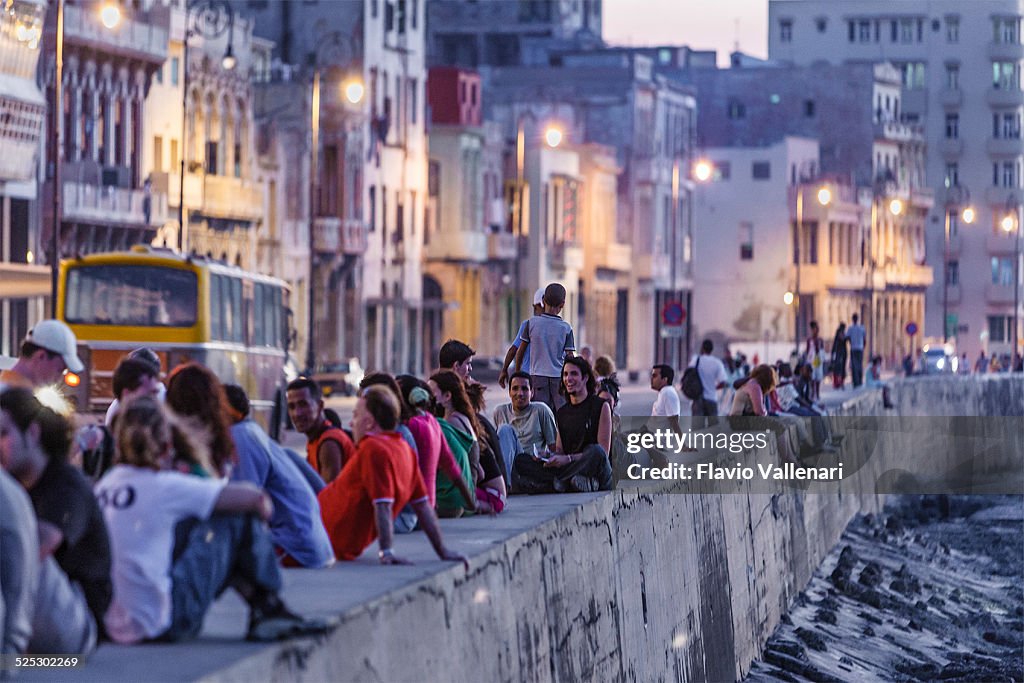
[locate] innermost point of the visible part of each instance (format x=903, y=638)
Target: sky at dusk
x=701, y=24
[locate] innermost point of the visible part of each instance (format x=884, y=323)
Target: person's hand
x=502, y=378
x=558, y=461
x=266, y=509
x=393, y=559
x=452, y=556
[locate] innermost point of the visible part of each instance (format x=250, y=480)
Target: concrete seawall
x=628, y=585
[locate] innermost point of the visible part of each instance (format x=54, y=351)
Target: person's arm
x=721, y=379
x=328, y=458
x=50, y=538
x=386, y=532
x=604, y=427
x=428, y=520
x=244, y=498
x=521, y=353
x=510, y=356
x=548, y=429
x=756, y=397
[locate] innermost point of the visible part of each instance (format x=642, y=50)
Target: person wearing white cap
x=49, y=349
x=538, y=308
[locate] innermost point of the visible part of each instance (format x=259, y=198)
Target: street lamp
x=824, y=197
x=209, y=19
x=956, y=196
x=1011, y=222
x=553, y=136
x=700, y=171
x=787, y=298
x=109, y=19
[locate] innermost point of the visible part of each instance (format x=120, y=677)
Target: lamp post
x=352, y=91
x=1011, y=222
x=208, y=19
x=956, y=196
x=700, y=171
x=824, y=197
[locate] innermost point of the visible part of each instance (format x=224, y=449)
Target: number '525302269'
x=8, y=662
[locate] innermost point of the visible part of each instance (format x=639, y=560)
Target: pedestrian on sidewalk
x=328, y=447
x=856, y=334
x=838, y=361
x=713, y=377
x=814, y=352
x=551, y=341
x=510, y=355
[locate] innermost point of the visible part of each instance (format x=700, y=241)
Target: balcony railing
x=617, y=256
x=1004, y=52
x=326, y=233
x=1001, y=243
x=565, y=256
x=227, y=197
x=1005, y=146
x=501, y=246
x=999, y=294
x=1005, y=97
x=895, y=130
x=354, y=236
x=102, y=205
x=145, y=40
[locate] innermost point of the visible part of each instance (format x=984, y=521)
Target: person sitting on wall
x=328, y=447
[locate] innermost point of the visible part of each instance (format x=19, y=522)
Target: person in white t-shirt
x=179, y=540
x=667, y=403
x=712, y=377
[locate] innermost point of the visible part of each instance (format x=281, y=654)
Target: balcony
x=1005, y=147
x=326, y=234
x=898, y=132
x=951, y=147
x=1001, y=243
x=565, y=256
x=909, y=276
x=999, y=294
x=354, y=236
x=227, y=197
x=99, y=205
x=458, y=245
x=922, y=197
x=615, y=256
x=144, y=37
x=501, y=246
x=951, y=97
x=999, y=196
x=1001, y=97
x=1005, y=52
x=915, y=102
x=652, y=267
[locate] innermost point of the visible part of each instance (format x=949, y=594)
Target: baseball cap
x=56, y=337
x=538, y=297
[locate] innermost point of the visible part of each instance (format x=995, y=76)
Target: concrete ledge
x=635, y=584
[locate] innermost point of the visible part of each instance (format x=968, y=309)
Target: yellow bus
x=184, y=308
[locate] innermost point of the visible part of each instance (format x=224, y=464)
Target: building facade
x=961, y=80
x=26, y=283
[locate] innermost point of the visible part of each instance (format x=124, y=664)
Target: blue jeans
x=510, y=447
x=208, y=556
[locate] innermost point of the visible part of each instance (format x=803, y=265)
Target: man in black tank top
x=580, y=463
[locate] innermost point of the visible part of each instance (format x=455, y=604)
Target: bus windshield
x=131, y=295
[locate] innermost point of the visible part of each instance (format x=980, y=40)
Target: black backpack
x=691, y=385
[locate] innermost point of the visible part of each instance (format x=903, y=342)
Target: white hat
x=538, y=297
x=56, y=337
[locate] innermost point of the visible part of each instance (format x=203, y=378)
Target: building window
x=1002, y=270
x=1009, y=174
x=864, y=31
x=414, y=11
x=952, y=126
x=952, y=29
x=952, y=175
x=953, y=273
x=159, y=75
x=414, y=101
x=761, y=170
x=786, y=30
x=912, y=75
x=821, y=23
x=953, y=76
x=737, y=110
x=746, y=241
x=1006, y=125
x=809, y=108
x=997, y=326
x=906, y=30
x=372, y=203
x=175, y=161
x=174, y=70
x=1005, y=76
x=723, y=170
x=1006, y=30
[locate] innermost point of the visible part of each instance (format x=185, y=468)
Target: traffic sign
x=673, y=314
x=911, y=329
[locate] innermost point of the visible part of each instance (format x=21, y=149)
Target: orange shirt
x=332, y=433
x=383, y=469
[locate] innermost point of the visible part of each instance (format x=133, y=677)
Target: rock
x=871, y=575
x=813, y=640
x=824, y=616
x=785, y=619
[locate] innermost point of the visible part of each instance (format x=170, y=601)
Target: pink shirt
x=433, y=451
x=749, y=395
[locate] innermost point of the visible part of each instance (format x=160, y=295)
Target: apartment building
x=960, y=68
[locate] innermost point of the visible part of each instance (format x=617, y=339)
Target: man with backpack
x=701, y=382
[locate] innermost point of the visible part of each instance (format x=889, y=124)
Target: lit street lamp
x=209, y=19
x=956, y=196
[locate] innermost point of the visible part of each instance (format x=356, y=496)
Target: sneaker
x=582, y=484
x=280, y=624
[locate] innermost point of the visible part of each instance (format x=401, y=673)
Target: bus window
x=132, y=295
x=234, y=324
x=216, y=308
x=259, y=336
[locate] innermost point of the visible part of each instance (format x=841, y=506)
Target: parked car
x=937, y=360
x=339, y=378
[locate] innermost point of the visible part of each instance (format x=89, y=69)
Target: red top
x=332, y=433
x=383, y=469
x=434, y=452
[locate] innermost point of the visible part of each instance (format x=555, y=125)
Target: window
x=211, y=157
x=809, y=108
x=159, y=75
x=912, y=75
x=723, y=170
x=158, y=154
x=851, y=31
x=737, y=110
x=175, y=161
x=952, y=29
x=952, y=175
x=400, y=16
x=786, y=30
x=131, y=295
x=1002, y=271
x=952, y=126
x=1005, y=76
x=997, y=327
x=414, y=11
x=1006, y=125
x=821, y=23
x=238, y=159
x=953, y=273
x=746, y=241
x=906, y=30
x=373, y=10
x=372, y=202
x=953, y=76
x=1006, y=30
x=761, y=170
x=864, y=31
x=413, y=101
x=1009, y=174
x=174, y=70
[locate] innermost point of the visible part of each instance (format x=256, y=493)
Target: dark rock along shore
x=932, y=589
